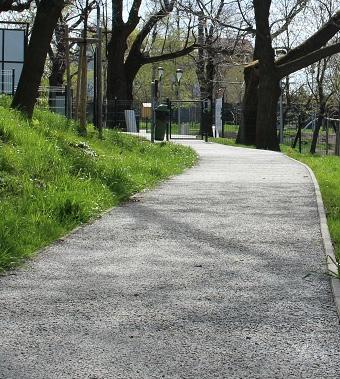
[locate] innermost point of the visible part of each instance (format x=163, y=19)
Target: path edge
x=326, y=237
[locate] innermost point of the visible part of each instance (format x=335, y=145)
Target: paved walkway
x=218, y=273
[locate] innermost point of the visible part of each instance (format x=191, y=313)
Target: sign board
x=218, y=115
x=130, y=119
x=12, y=52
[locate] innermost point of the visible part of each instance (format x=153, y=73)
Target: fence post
x=298, y=135
x=13, y=81
x=115, y=112
x=153, y=108
x=169, y=121
x=223, y=115
x=281, y=115
x=327, y=135
x=337, y=140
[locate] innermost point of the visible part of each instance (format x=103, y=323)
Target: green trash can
x=162, y=119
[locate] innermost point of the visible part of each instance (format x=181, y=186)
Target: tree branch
x=133, y=15
x=315, y=42
x=176, y=54
x=307, y=60
x=14, y=5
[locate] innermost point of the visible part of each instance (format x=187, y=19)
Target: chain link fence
x=299, y=124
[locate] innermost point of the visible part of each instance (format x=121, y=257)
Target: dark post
x=68, y=75
x=13, y=81
x=154, y=103
x=167, y=125
x=298, y=135
x=95, y=90
x=115, y=112
x=327, y=135
x=337, y=140
x=66, y=101
x=223, y=115
x=170, y=118
x=99, y=75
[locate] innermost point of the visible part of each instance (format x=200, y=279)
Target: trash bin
x=162, y=119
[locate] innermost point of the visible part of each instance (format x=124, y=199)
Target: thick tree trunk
x=247, y=130
x=268, y=96
x=48, y=13
x=269, y=80
x=117, y=86
x=120, y=77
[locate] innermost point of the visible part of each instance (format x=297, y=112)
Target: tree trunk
x=268, y=96
x=269, y=81
x=318, y=125
x=48, y=13
x=56, y=78
x=117, y=86
x=206, y=75
x=247, y=130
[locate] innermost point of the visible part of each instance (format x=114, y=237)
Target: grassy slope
x=327, y=172
x=52, y=180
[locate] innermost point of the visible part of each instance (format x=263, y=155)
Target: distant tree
x=128, y=48
x=262, y=77
x=47, y=15
x=73, y=17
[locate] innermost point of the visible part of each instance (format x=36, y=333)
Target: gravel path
x=218, y=273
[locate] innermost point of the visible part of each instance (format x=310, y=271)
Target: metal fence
x=7, y=82
x=299, y=122
x=185, y=119
x=54, y=99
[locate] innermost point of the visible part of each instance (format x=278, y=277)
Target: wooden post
x=83, y=92
x=68, y=75
x=81, y=47
x=83, y=80
x=327, y=136
x=99, y=74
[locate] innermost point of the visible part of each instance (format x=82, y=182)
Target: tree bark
x=58, y=59
x=116, y=74
x=247, y=130
x=269, y=81
x=268, y=96
x=48, y=13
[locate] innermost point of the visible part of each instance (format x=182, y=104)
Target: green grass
x=229, y=142
x=52, y=180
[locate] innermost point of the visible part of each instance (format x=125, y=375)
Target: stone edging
x=327, y=242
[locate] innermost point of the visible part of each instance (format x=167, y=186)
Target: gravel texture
x=218, y=273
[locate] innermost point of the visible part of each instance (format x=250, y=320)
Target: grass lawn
x=327, y=172
x=52, y=180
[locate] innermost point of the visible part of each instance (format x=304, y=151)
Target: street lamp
x=160, y=76
x=279, y=53
x=160, y=73
x=179, y=74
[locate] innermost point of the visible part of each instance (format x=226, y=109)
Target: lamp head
x=179, y=74
x=160, y=72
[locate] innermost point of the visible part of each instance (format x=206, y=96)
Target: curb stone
x=326, y=238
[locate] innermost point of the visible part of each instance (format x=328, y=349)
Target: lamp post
x=160, y=81
x=179, y=74
x=279, y=52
